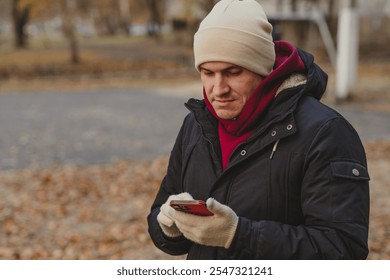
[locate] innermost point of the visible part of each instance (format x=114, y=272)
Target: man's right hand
x=166, y=223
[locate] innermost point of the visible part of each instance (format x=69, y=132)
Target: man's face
x=228, y=87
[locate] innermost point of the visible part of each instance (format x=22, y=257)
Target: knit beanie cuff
x=238, y=47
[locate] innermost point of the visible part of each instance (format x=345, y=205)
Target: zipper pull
x=274, y=149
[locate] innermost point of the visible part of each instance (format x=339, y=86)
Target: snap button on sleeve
x=351, y=170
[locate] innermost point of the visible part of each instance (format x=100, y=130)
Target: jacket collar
x=207, y=122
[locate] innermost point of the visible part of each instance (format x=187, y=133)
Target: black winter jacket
x=299, y=184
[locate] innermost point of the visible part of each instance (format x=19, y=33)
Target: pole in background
x=347, y=49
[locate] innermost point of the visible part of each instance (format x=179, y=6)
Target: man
x=285, y=176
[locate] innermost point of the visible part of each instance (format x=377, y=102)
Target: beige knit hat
x=238, y=32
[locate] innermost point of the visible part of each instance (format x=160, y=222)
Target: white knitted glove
x=166, y=223
x=217, y=230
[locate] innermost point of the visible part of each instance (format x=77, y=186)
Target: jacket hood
x=310, y=80
x=317, y=79
x=290, y=62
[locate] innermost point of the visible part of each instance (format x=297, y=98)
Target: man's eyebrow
x=203, y=68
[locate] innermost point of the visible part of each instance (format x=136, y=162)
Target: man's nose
x=221, y=86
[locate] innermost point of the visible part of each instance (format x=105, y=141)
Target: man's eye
x=235, y=72
x=208, y=73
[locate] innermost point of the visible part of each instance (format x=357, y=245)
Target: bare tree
x=156, y=9
x=124, y=11
x=68, y=28
x=22, y=12
x=20, y=16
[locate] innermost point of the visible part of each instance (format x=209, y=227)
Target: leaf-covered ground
x=70, y=212
x=99, y=212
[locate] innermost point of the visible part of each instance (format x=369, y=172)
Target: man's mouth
x=224, y=101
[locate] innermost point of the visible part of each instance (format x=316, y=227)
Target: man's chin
x=225, y=115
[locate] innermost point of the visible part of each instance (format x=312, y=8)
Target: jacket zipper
x=246, y=142
x=274, y=149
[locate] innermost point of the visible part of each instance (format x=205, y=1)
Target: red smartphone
x=195, y=207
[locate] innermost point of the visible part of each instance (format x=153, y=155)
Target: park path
x=86, y=127
x=98, y=126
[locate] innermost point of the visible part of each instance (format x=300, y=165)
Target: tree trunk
x=20, y=18
x=155, y=24
x=70, y=34
x=125, y=18
x=72, y=40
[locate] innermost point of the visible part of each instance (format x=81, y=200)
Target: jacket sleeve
x=334, y=201
x=171, y=184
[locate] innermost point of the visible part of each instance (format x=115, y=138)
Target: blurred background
x=91, y=100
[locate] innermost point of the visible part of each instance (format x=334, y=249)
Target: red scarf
x=234, y=132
